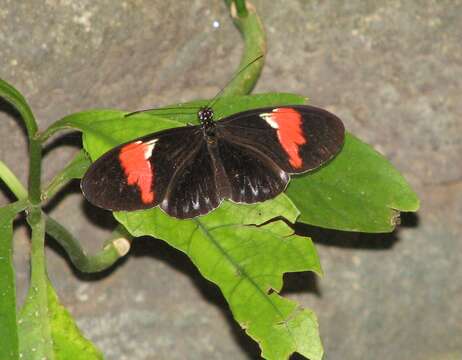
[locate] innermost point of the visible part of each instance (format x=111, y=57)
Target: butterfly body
x=247, y=157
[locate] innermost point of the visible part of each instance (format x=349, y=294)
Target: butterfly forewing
x=136, y=175
x=298, y=138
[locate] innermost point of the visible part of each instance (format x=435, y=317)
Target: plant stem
x=35, y=171
x=15, y=98
x=12, y=182
x=36, y=305
x=241, y=8
x=37, y=224
x=252, y=31
x=115, y=248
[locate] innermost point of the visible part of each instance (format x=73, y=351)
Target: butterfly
x=188, y=171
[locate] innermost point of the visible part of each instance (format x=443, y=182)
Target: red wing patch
x=134, y=159
x=288, y=124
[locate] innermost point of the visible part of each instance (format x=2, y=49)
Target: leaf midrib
x=242, y=271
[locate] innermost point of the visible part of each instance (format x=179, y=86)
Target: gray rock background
x=392, y=70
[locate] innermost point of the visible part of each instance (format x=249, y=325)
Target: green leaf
x=15, y=98
x=12, y=182
x=52, y=331
x=9, y=346
x=68, y=342
x=74, y=170
x=46, y=330
x=83, y=121
x=246, y=259
x=358, y=191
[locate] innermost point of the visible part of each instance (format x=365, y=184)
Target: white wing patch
x=269, y=118
x=149, y=147
x=195, y=202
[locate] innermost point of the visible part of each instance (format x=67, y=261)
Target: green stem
x=115, y=248
x=241, y=8
x=12, y=182
x=252, y=31
x=35, y=171
x=38, y=272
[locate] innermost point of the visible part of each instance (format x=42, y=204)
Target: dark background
x=392, y=70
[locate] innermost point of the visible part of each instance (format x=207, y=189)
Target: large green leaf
x=358, y=191
x=246, y=259
x=9, y=346
x=358, y=180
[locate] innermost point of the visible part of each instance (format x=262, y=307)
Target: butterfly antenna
x=196, y=108
x=212, y=102
x=217, y=96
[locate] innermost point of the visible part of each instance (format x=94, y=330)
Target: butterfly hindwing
x=192, y=189
x=252, y=176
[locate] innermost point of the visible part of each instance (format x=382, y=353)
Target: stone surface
x=392, y=70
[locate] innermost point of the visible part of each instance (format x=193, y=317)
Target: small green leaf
x=68, y=342
x=82, y=121
x=15, y=98
x=74, y=170
x=77, y=167
x=9, y=346
x=52, y=332
x=357, y=191
x=46, y=331
x=246, y=259
x=12, y=182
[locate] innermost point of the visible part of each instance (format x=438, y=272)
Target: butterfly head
x=205, y=116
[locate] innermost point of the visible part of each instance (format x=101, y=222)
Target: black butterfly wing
x=251, y=176
x=136, y=175
x=297, y=138
x=193, y=189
